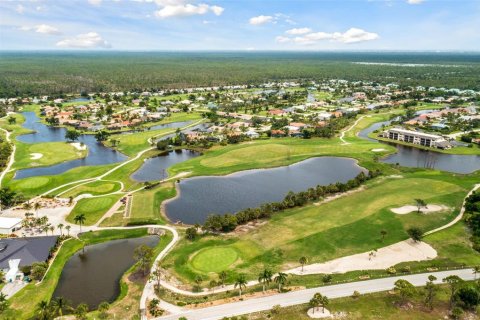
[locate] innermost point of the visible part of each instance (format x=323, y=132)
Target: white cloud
x=183, y=10
x=84, y=41
x=415, y=1
x=42, y=28
x=352, y=35
x=296, y=31
x=260, y=20
x=46, y=29
x=217, y=10
x=95, y=2
x=282, y=39
x=20, y=9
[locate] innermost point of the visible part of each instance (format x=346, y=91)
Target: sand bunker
x=318, y=313
x=429, y=208
x=378, y=150
x=384, y=258
x=79, y=146
x=35, y=156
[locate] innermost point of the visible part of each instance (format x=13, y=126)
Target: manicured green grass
x=36, y=185
x=132, y=143
x=273, y=153
x=53, y=153
x=23, y=304
x=93, y=208
x=147, y=203
x=178, y=117
x=94, y=188
x=345, y=226
x=214, y=259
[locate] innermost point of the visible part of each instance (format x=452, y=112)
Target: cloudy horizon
x=240, y=25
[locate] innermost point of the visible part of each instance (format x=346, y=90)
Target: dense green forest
x=34, y=73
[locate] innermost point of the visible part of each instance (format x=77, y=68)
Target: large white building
x=420, y=138
x=9, y=225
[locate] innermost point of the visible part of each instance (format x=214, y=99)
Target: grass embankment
x=23, y=304
x=146, y=204
x=93, y=208
x=346, y=226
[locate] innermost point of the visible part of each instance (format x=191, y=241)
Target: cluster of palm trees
x=42, y=224
x=57, y=307
x=264, y=278
x=318, y=300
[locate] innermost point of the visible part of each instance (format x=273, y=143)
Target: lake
x=95, y=276
x=201, y=196
x=98, y=154
x=156, y=168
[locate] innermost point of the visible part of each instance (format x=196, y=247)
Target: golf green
x=214, y=259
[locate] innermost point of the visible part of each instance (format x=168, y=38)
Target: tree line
x=228, y=222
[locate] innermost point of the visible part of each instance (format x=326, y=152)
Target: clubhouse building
x=420, y=138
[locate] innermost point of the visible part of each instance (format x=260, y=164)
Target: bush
x=38, y=270
x=391, y=270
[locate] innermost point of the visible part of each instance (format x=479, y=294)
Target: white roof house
x=9, y=225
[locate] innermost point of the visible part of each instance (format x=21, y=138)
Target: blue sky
x=138, y=25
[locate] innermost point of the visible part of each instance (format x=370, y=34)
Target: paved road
x=303, y=296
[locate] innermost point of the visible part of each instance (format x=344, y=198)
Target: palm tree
x=3, y=302
x=383, y=233
x=80, y=219
x=303, y=261
x=45, y=229
x=265, y=278
x=241, y=282
x=37, y=206
x=60, y=226
x=280, y=279
x=476, y=270
x=60, y=304
x=68, y=230
x=52, y=228
x=324, y=301
x=223, y=277
x=43, y=310
x=27, y=206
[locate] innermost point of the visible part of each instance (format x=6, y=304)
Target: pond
x=81, y=99
x=156, y=168
x=407, y=156
x=98, y=154
x=199, y=197
x=94, y=277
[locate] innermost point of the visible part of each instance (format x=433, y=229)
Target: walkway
x=457, y=218
x=342, y=135
x=303, y=296
x=11, y=160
